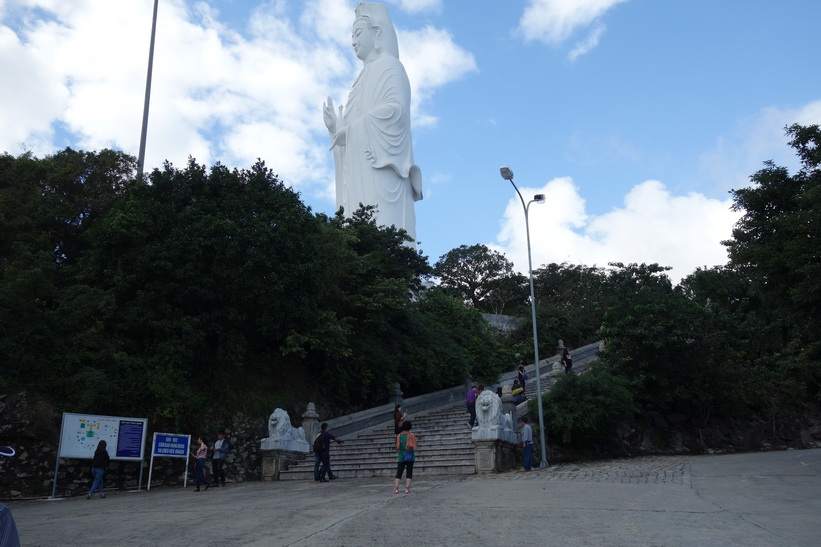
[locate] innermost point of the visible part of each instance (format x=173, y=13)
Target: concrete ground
x=771, y=498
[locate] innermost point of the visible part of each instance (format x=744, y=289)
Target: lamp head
x=506, y=172
x=538, y=198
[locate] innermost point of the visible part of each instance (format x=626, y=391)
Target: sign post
x=169, y=445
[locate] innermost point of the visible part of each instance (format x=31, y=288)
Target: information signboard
x=81, y=433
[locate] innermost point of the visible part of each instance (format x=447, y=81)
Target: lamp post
x=141, y=157
x=507, y=174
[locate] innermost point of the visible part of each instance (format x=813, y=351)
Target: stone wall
x=32, y=429
x=681, y=434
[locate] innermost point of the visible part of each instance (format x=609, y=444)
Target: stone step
x=383, y=471
x=443, y=434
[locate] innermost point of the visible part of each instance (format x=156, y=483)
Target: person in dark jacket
x=522, y=376
x=98, y=465
x=567, y=361
x=322, y=467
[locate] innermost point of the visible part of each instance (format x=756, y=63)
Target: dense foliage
x=212, y=289
x=215, y=288
x=739, y=339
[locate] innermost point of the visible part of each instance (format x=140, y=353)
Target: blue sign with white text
x=171, y=446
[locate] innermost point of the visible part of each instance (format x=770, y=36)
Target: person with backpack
x=322, y=454
x=219, y=452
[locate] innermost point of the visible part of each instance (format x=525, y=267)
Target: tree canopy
x=212, y=286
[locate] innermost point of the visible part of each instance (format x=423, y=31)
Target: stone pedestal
x=274, y=461
x=494, y=456
x=310, y=423
x=508, y=404
x=396, y=396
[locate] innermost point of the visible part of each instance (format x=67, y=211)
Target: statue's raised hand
x=330, y=115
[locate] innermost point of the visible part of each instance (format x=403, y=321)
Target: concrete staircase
x=443, y=434
x=444, y=442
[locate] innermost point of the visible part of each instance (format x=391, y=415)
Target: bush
x=580, y=410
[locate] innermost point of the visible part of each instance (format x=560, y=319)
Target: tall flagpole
x=141, y=158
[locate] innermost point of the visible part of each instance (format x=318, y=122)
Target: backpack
x=319, y=446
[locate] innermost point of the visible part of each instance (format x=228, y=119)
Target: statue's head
x=278, y=420
x=373, y=31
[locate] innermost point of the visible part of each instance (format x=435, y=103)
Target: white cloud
x=590, y=42
x=684, y=232
x=754, y=140
x=554, y=21
x=432, y=59
x=218, y=94
x=418, y=6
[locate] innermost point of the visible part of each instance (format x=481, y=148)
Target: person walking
x=199, y=466
x=219, y=452
x=405, y=457
x=527, y=443
x=567, y=361
x=522, y=375
x=322, y=454
x=98, y=465
x=470, y=403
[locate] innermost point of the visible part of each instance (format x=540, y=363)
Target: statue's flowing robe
x=377, y=118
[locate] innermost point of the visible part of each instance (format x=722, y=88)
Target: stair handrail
x=382, y=416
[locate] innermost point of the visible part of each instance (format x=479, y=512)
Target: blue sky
x=634, y=117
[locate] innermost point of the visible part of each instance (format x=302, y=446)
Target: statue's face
x=362, y=39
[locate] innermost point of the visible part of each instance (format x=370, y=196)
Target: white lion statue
x=281, y=434
x=488, y=410
x=492, y=423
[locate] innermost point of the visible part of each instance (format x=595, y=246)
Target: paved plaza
x=771, y=498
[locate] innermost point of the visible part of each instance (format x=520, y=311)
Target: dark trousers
x=472, y=411
x=199, y=472
x=322, y=464
x=318, y=465
x=402, y=466
x=219, y=474
x=528, y=454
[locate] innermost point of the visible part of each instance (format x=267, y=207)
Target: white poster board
x=81, y=433
x=124, y=437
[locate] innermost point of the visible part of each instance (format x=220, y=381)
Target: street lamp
x=141, y=157
x=507, y=174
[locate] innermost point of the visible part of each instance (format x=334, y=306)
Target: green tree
x=653, y=336
x=775, y=248
x=50, y=324
x=481, y=277
x=573, y=297
x=362, y=334
x=210, y=270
